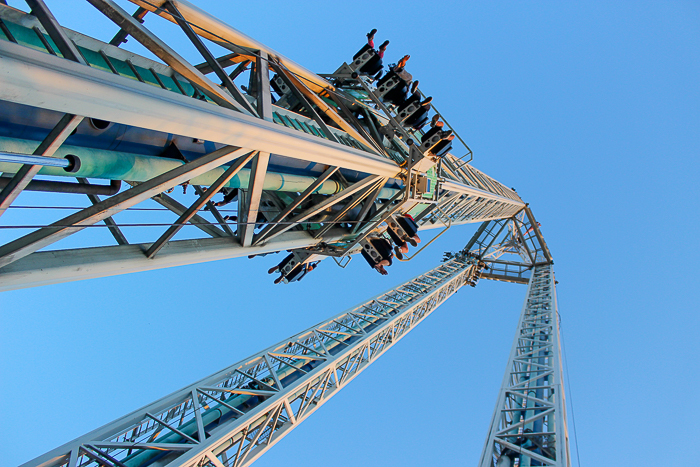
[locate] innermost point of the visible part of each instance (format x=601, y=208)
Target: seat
x=294, y=261
x=376, y=249
x=441, y=148
x=408, y=225
x=387, y=83
x=418, y=118
x=367, y=61
x=279, y=85
x=364, y=49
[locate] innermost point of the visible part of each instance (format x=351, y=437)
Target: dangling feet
x=370, y=35
x=414, y=86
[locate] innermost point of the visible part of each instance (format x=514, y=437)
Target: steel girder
x=511, y=247
x=113, y=85
x=232, y=417
x=529, y=422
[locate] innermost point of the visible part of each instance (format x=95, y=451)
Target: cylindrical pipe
x=64, y=187
x=31, y=159
x=114, y=165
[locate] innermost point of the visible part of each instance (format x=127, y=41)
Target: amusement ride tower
x=334, y=165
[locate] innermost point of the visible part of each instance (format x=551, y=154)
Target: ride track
x=321, y=170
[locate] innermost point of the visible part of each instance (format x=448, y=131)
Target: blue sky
x=590, y=110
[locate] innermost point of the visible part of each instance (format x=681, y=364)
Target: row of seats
x=397, y=88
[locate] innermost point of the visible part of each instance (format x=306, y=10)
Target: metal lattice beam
x=256, y=402
x=529, y=422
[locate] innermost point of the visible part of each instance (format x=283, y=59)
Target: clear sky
x=589, y=109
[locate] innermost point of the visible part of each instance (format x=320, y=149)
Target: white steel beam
x=56, y=267
x=45, y=236
x=252, y=404
x=37, y=79
x=215, y=30
x=159, y=48
x=249, y=216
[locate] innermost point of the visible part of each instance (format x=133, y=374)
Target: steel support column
x=529, y=423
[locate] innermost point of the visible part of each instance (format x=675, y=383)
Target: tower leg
x=529, y=422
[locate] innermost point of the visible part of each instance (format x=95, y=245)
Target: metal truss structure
x=321, y=166
x=529, y=423
x=512, y=247
x=232, y=417
x=315, y=164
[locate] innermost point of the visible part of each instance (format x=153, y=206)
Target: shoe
x=371, y=33
x=399, y=255
x=413, y=242
x=445, y=134
x=435, y=120
x=279, y=279
x=414, y=86
x=427, y=101
x=272, y=269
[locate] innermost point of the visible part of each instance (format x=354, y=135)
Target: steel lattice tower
x=321, y=169
x=529, y=422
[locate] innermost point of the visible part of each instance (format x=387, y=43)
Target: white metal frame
x=529, y=421
x=232, y=417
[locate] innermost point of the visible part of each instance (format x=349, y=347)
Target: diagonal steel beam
x=354, y=201
x=328, y=202
x=46, y=18
x=197, y=220
x=47, y=148
x=522, y=239
x=210, y=59
x=376, y=145
x=305, y=102
x=109, y=222
x=225, y=61
x=215, y=212
x=326, y=109
x=248, y=216
x=45, y=236
x=538, y=233
x=121, y=36
x=369, y=202
x=243, y=66
x=197, y=205
x=294, y=204
x=149, y=40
